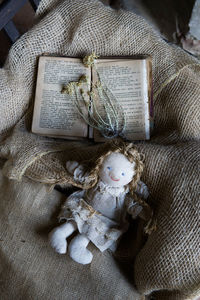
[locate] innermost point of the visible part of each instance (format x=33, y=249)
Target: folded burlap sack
x=168, y=264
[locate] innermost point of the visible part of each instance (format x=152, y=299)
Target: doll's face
x=116, y=170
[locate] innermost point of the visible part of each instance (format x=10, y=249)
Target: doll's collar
x=115, y=191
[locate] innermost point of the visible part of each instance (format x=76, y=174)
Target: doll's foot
x=57, y=237
x=57, y=241
x=78, y=251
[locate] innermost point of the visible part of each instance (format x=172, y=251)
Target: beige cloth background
x=168, y=265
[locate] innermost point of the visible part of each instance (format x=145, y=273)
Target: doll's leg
x=78, y=250
x=58, y=235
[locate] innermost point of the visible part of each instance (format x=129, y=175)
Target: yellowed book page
x=128, y=81
x=55, y=114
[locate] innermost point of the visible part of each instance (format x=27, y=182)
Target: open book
x=128, y=79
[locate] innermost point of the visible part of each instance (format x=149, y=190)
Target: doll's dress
x=100, y=213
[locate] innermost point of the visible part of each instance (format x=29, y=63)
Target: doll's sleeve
x=77, y=170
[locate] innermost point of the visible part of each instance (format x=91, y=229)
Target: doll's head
x=116, y=170
x=121, y=165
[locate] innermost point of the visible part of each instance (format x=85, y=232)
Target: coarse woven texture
x=168, y=265
x=30, y=269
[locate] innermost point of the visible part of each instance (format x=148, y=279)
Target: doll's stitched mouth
x=114, y=179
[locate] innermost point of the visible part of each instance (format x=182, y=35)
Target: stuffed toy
x=99, y=212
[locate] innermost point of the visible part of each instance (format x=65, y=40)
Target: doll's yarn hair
x=130, y=152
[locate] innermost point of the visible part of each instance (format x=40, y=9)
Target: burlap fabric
x=168, y=265
x=30, y=269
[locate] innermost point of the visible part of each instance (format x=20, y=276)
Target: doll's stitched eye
x=123, y=174
x=109, y=168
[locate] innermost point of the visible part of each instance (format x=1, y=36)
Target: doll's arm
x=77, y=170
x=134, y=206
x=137, y=206
x=142, y=190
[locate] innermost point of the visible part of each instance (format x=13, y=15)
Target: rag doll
x=99, y=213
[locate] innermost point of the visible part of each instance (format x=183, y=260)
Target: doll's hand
x=78, y=171
x=71, y=166
x=142, y=190
x=134, y=210
x=133, y=207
